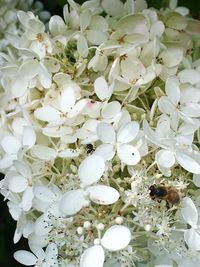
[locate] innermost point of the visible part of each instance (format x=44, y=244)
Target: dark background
x=7, y=225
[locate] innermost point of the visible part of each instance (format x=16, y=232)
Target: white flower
x=118, y=142
x=39, y=257
x=190, y=216
x=115, y=238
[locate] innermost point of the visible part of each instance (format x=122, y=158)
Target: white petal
x=10, y=144
x=192, y=239
x=72, y=202
x=91, y=169
x=111, y=109
x=19, y=86
x=189, y=76
x=57, y=25
x=44, y=193
x=101, y=89
x=189, y=211
x=128, y=132
x=47, y=113
x=103, y=195
x=43, y=152
x=27, y=199
x=25, y=257
x=69, y=153
x=171, y=57
x=29, y=69
x=44, y=77
x=82, y=46
x=77, y=108
x=106, y=151
x=67, y=99
x=93, y=256
x=51, y=255
x=105, y=132
x=165, y=158
x=17, y=184
x=42, y=225
x=29, y=137
x=157, y=29
x=172, y=89
x=117, y=237
x=38, y=251
x=96, y=37
x=18, y=125
x=165, y=105
x=128, y=154
x=23, y=169
x=188, y=163
x=196, y=180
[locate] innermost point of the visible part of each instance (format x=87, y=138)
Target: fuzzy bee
x=161, y=192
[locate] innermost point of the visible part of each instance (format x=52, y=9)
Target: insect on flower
x=170, y=194
x=89, y=148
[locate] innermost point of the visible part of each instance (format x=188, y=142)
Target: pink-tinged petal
x=93, y=256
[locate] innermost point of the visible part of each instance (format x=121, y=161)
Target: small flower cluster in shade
x=96, y=108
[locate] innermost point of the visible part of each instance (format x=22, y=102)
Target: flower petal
x=17, y=184
x=189, y=211
x=111, y=109
x=25, y=257
x=23, y=169
x=103, y=195
x=29, y=137
x=128, y=132
x=188, y=163
x=172, y=89
x=27, y=199
x=165, y=158
x=10, y=144
x=165, y=105
x=117, y=237
x=105, y=132
x=43, y=152
x=93, y=256
x=47, y=113
x=91, y=169
x=192, y=239
x=101, y=89
x=128, y=154
x=106, y=151
x=189, y=76
x=72, y=202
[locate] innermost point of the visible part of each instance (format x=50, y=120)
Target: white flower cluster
x=99, y=136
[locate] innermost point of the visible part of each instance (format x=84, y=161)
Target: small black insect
x=89, y=148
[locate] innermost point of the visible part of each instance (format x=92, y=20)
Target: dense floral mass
x=99, y=134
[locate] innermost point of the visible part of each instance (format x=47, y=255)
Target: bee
x=89, y=148
x=170, y=194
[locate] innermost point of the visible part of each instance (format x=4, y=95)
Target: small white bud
x=100, y=226
x=87, y=225
x=80, y=230
x=147, y=227
x=119, y=220
x=86, y=203
x=97, y=241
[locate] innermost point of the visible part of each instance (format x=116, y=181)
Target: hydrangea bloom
x=96, y=108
